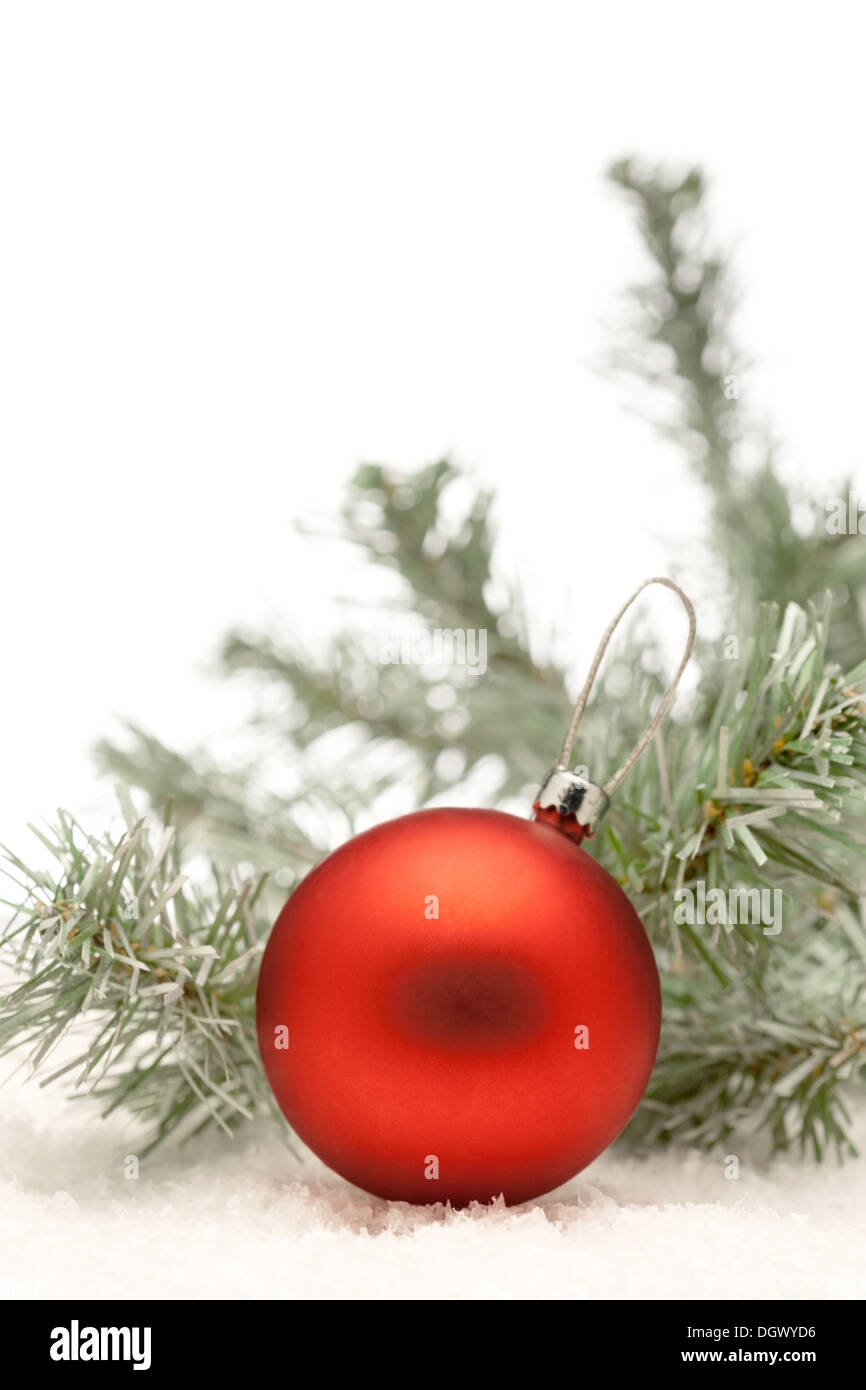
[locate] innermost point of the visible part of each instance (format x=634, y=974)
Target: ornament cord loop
x=667, y=700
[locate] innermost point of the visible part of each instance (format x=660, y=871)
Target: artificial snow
x=243, y=1218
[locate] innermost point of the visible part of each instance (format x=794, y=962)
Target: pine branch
x=681, y=365
x=228, y=813
x=160, y=971
x=765, y=787
x=763, y=1025
x=774, y=1062
x=397, y=712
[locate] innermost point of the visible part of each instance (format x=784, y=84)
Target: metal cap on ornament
x=571, y=802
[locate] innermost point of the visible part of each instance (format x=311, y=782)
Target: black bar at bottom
x=159, y=1339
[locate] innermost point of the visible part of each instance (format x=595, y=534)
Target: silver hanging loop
x=565, y=795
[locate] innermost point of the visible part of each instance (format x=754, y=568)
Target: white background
x=245, y=246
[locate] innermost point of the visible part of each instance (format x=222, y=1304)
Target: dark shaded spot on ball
x=469, y=1003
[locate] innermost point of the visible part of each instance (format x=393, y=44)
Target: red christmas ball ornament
x=471, y=1003
x=460, y=1003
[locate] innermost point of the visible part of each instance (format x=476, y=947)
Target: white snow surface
x=244, y=1218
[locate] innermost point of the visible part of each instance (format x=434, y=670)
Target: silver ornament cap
x=571, y=795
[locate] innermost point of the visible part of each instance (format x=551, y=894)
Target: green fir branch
x=160, y=970
x=680, y=364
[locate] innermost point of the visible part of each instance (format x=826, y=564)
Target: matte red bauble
x=461, y=1004
x=472, y=1008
